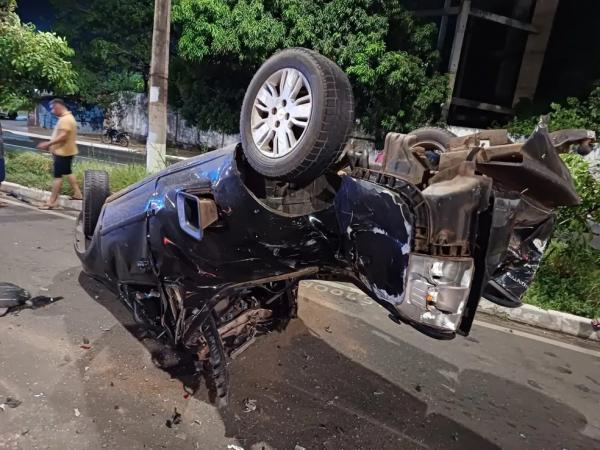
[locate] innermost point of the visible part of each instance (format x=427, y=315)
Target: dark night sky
x=38, y=12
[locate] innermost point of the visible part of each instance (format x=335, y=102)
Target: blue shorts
x=2, y=173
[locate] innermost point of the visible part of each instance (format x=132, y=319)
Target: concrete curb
x=550, y=320
x=545, y=319
x=38, y=195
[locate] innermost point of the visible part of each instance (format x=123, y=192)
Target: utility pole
x=156, y=143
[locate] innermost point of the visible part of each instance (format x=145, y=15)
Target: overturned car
x=208, y=253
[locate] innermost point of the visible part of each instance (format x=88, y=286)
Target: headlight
x=436, y=290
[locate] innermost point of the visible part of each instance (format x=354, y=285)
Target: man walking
x=63, y=147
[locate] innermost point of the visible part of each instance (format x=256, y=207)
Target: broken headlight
x=436, y=290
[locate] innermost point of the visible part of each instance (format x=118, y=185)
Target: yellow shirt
x=67, y=123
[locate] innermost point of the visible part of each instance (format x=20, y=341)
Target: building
x=499, y=53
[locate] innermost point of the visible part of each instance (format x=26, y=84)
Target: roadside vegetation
x=31, y=61
x=35, y=170
x=569, y=277
x=571, y=113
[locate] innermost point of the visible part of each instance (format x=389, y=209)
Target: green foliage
x=32, y=61
x=573, y=113
x=112, y=40
x=569, y=277
x=35, y=170
x=387, y=55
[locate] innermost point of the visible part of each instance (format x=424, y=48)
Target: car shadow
x=294, y=389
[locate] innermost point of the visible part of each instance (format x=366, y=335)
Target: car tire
x=433, y=138
x=283, y=134
x=95, y=192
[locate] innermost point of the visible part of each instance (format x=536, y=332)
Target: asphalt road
x=342, y=376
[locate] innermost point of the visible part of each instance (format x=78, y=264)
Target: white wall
x=132, y=116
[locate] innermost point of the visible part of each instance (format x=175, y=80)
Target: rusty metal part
x=484, y=138
x=235, y=327
x=251, y=317
x=564, y=138
x=399, y=159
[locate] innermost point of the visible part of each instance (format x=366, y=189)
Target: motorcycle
x=114, y=136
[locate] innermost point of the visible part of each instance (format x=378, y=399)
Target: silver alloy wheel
x=281, y=113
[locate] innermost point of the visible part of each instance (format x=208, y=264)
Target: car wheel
x=434, y=140
x=296, y=116
x=95, y=192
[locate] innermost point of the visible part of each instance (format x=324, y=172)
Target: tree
x=112, y=40
x=388, y=56
x=32, y=61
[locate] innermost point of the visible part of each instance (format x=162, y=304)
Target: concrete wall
x=132, y=116
x=89, y=119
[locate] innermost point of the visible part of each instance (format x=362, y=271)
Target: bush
x=569, y=277
x=35, y=170
x=573, y=113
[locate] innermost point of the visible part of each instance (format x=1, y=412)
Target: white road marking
x=34, y=208
x=535, y=337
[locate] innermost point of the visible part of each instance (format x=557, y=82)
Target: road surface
x=342, y=376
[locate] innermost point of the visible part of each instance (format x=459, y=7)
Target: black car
x=208, y=253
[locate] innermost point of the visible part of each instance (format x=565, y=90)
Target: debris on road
x=174, y=420
x=249, y=405
x=234, y=447
x=10, y=402
x=14, y=298
x=77, y=413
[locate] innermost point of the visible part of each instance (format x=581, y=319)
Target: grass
x=35, y=170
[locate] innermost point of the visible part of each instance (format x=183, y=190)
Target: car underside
x=208, y=254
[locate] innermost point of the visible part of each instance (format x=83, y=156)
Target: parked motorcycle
x=114, y=136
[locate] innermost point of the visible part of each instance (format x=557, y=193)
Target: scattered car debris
x=299, y=447
x=19, y=197
x=10, y=402
x=85, y=346
x=174, y=420
x=249, y=405
x=234, y=447
x=77, y=413
x=328, y=329
x=14, y=298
